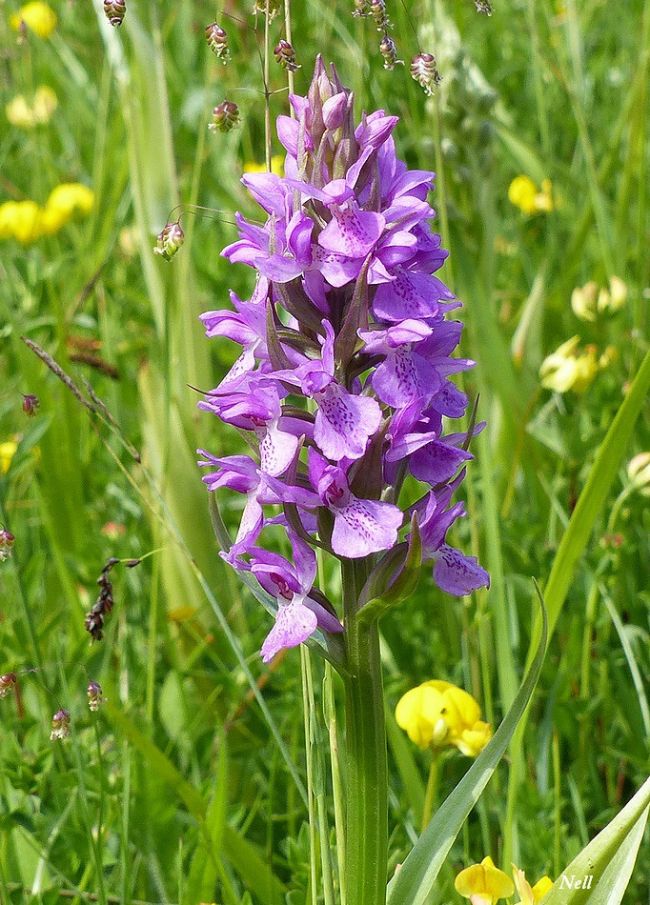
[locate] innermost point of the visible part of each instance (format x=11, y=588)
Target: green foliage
x=188, y=786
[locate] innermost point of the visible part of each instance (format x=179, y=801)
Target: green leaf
x=415, y=880
x=243, y=856
x=206, y=862
x=608, y=859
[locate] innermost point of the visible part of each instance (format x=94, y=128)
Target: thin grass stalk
x=308, y=706
x=338, y=795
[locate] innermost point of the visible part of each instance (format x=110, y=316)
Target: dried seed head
x=286, y=56
x=94, y=621
x=169, y=240
x=377, y=9
x=60, y=725
x=225, y=117
x=361, y=8
x=7, y=683
x=425, y=72
x=483, y=6
x=218, y=41
x=30, y=404
x=114, y=10
x=95, y=697
x=273, y=7
x=388, y=50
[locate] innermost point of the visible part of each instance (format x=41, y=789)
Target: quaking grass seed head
x=218, y=41
x=225, y=117
x=30, y=404
x=361, y=8
x=95, y=696
x=7, y=541
x=377, y=9
x=388, y=50
x=285, y=55
x=7, y=683
x=425, y=72
x=60, y=726
x=483, y=6
x=273, y=7
x=115, y=10
x=169, y=240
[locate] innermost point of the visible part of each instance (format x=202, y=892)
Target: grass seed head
x=388, y=50
x=285, y=55
x=225, y=117
x=425, y=72
x=115, y=10
x=60, y=725
x=7, y=683
x=218, y=41
x=169, y=240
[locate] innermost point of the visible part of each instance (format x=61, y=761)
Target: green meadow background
x=186, y=786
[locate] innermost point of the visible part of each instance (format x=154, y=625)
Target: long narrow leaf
x=415, y=880
x=608, y=859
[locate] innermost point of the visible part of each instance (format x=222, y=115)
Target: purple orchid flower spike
x=345, y=378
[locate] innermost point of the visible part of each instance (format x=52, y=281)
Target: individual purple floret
x=344, y=381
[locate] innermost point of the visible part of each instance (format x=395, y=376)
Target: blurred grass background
x=187, y=785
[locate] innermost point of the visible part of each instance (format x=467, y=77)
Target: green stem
x=431, y=794
x=366, y=758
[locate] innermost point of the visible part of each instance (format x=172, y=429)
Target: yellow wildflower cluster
x=37, y=17
x=573, y=368
x=27, y=221
x=26, y=114
x=277, y=166
x=485, y=884
x=437, y=714
x=525, y=195
x=590, y=300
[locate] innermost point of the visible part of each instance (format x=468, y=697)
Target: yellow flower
x=20, y=220
x=64, y=201
x=530, y=895
x=638, y=471
x=484, y=883
x=24, y=115
x=37, y=16
x=614, y=298
x=277, y=166
x=437, y=714
x=569, y=368
x=7, y=452
x=525, y=195
x=583, y=301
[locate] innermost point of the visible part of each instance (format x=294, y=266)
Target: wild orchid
x=343, y=386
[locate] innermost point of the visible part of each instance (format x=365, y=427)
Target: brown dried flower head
x=115, y=10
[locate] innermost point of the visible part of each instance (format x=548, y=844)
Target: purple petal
x=411, y=294
x=365, y=526
x=277, y=451
x=403, y=377
x=458, y=574
x=344, y=423
x=352, y=232
x=294, y=623
x=437, y=462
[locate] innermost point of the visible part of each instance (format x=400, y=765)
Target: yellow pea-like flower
x=525, y=195
x=37, y=16
x=530, y=895
x=438, y=714
x=7, y=452
x=277, y=166
x=484, y=884
x=569, y=367
x=25, y=115
x=21, y=220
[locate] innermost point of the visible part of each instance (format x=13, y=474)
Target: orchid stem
x=366, y=757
